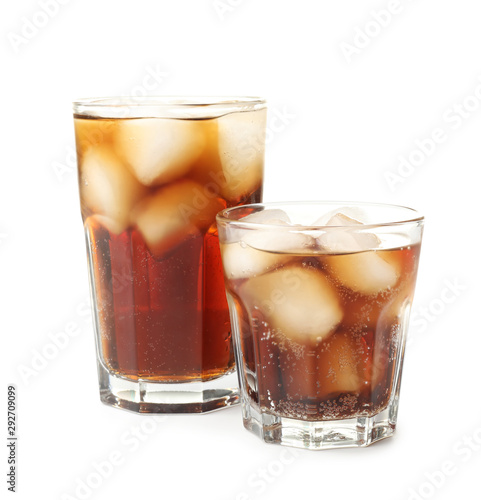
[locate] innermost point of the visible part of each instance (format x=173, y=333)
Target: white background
x=352, y=104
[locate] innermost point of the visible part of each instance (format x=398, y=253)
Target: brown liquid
x=350, y=373
x=162, y=310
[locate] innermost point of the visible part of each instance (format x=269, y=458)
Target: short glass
x=153, y=173
x=319, y=297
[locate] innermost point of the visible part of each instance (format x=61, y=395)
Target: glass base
x=141, y=396
x=320, y=435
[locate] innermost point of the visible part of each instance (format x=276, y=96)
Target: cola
x=320, y=312
x=150, y=188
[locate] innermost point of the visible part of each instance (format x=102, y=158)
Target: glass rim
x=170, y=106
x=224, y=215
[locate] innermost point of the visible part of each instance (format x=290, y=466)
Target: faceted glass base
x=143, y=396
x=320, y=435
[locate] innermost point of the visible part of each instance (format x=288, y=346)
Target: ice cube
x=347, y=235
x=242, y=261
x=388, y=328
x=241, y=138
x=298, y=303
x=325, y=370
x=110, y=224
x=259, y=250
x=340, y=365
x=108, y=189
x=364, y=272
x=362, y=268
x=207, y=169
x=175, y=212
x=268, y=216
x=354, y=214
x=91, y=133
x=401, y=297
x=159, y=150
x=280, y=238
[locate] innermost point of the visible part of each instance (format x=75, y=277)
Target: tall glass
x=319, y=296
x=153, y=173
